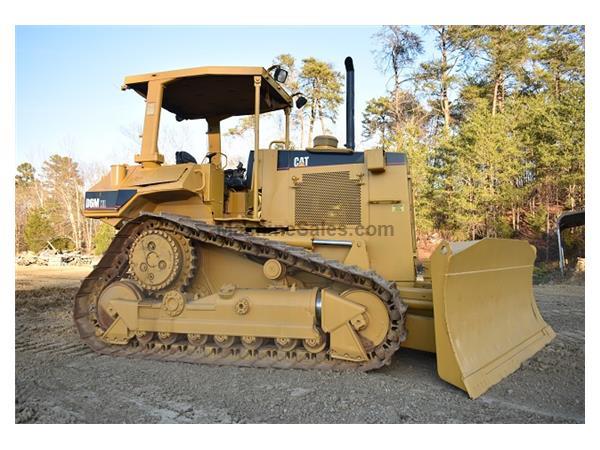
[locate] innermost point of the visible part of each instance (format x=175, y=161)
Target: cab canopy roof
x=213, y=92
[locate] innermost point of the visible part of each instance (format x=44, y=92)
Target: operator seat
x=249, y=169
x=184, y=158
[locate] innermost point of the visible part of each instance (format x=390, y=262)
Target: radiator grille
x=324, y=199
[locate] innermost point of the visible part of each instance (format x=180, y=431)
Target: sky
x=68, y=78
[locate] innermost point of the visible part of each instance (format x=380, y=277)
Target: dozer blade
x=485, y=316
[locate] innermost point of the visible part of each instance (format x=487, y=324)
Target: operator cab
x=210, y=93
x=217, y=93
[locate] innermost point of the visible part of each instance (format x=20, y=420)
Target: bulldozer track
x=114, y=265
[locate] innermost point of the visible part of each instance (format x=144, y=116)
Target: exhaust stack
x=349, y=103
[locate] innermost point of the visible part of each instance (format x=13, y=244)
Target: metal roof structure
x=569, y=219
x=213, y=91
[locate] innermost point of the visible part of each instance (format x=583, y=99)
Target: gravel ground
x=59, y=380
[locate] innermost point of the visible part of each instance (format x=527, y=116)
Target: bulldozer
x=302, y=258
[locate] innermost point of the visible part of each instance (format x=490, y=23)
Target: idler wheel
x=375, y=328
x=123, y=290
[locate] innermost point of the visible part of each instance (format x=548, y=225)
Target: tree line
x=49, y=209
x=493, y=125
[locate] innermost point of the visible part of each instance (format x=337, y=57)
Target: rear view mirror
x=280, y=75
x=300, y=102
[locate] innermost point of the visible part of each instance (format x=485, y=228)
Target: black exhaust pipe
x=349, y=103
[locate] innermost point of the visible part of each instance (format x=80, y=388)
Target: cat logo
x=301, y=161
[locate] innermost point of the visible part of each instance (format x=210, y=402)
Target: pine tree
x=504, y=49
x=38, y=230
x=102, y=239
x=65, y=186
x=322, y=86
x=438, y=76
x=378, y=121
x=25, y=176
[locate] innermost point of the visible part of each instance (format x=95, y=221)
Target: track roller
x=144, y=337
x=316, y=345
x=167, y=338
x=196, y=339
x=286, y=344
x=224, y=341
x=252, y=342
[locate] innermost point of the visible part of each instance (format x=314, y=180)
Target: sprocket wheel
x=160, y=260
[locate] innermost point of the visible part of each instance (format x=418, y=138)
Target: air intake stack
x=349, y=103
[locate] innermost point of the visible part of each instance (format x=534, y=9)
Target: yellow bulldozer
x=301, y=259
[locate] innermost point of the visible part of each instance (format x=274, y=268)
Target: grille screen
x=328, y=199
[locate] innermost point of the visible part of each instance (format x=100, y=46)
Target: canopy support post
x=149, y=155
x=257, y=156
x=287, y=128
x=214, y=139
